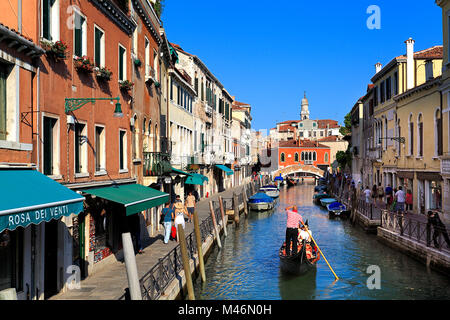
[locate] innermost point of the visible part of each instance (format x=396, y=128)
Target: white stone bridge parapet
x=299, y=168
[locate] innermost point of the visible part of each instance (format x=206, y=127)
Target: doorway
x=51, y=259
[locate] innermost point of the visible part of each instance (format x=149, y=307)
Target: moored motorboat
x=337, y=209
x=270, y=190
x=301, y=262
x=326, y=201
x=260, y=201
x=321, y=195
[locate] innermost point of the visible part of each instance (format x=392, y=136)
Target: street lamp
x=72, y=104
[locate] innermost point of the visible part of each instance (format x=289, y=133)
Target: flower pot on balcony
x=56, y=51
x=83, y=64
x=137, y=62
x=103, y=73
x=126, y=85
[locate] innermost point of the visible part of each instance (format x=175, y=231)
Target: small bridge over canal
x=298, y=168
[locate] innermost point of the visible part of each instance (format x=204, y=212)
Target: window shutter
x=2, y=103
x=48, y=146
x=121, y=60
x=46, y=19
x=79, y=20
x=98, y=36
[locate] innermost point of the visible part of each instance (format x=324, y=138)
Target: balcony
x=156, y=164
x=150, y=75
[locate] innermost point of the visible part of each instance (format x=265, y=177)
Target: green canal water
x=247, y=267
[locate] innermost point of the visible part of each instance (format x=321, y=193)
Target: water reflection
x=248, y=265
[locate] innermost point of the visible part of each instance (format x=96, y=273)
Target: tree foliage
x=347, y=125
x=158, y=6
x=344, y=158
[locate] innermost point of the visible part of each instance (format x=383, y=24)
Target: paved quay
x=110, y=282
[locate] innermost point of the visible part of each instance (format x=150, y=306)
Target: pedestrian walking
x=409, y=200
x=190, y=206
x=374, y=194
x=400, y=197
x=367, y=193
x=380, y=192
x=293, y=220
x=167, y=216
x=388, y=193
x=179, y=212
x=438, y=229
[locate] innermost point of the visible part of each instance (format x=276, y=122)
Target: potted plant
x=83, y=64
x=56, y=50
x=157, y=84
x=137, y=62
x=103, y=73
x=125, y=84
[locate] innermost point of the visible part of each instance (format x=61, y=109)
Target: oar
x=337, y=278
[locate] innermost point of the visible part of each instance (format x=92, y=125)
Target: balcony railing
x=156, y=164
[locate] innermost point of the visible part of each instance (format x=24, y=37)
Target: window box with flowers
x=83, y=64
x=56, y=50
x=125, y=85
x=103, y=73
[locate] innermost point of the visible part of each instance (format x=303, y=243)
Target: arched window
x=296, y=157
x=309, y=156
x=150, y=136
x=135, y=137
x=282, y=157
x=303, y=156
x=411, y=135
x=326, y=157
x=314, y=156
x=420, y=136
x=156, y=138
x=438, y=132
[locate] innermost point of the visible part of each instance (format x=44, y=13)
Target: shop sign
x=23, y=219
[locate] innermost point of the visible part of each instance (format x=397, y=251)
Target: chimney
x=409, y=63
x=378, y=67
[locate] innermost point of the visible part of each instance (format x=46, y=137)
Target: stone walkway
x=111, y=282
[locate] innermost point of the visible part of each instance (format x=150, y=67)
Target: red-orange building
x=303, y=152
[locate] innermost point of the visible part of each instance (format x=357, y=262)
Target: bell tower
x=304, y=113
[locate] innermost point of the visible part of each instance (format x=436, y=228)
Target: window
x=122, y=150
x=80, y=35
x=296, y=157
x=3, y=104
x=388, y=88
x=375, y=96
x=326, y=157
x=11, y=257
x=411, y=136
x=99, y=47
x=321, y=133
x=155, y=64
x=80, y=148
x=428, y=70
x=314, y=156
x=382, y=91
x=171, y=89
x=282, y=158
x=122, y=63
x=303, y=156
x=395, y=83
x=147, y=58
x=438, y=133
x=100, y=148
x=420, y=136
x=50, y=146
x=50, y=20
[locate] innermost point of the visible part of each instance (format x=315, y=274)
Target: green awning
x=134, y=197
x=227, y=170
x=180, y=171
x=196, y=178
x=28, y=196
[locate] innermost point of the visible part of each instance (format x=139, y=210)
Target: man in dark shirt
x=438, y=228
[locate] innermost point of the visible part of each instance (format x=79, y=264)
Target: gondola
x=318, y=196
x=326, y=201
x=297, y=264
x=291, y=182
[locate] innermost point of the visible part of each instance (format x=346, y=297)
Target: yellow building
x=407, y=125
x=445, y=110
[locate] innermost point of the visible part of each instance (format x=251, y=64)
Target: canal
x=247, y=267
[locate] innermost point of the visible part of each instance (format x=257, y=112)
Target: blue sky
x=267, y=53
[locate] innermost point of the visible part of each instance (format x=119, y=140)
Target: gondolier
x=293, y=220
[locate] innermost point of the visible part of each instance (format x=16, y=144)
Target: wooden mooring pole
x=198, y=238
x=216, y=229
x=236, y=209
x=245, y=202
x=224, y=217
x=185, y=260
